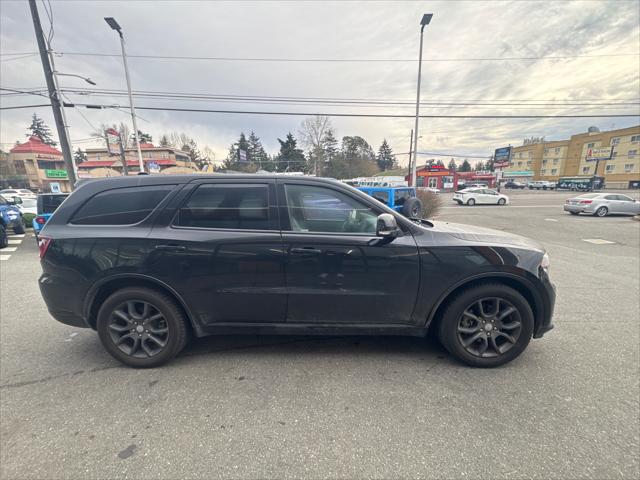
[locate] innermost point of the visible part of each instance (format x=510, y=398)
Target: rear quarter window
x=121, y=206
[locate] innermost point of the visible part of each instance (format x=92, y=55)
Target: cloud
x=377, y=30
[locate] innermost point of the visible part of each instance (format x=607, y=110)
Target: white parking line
x=550, y=220
x=17, y=235
x=5, y=257
x=15, y=242
x=9, y=249
x=597, y=241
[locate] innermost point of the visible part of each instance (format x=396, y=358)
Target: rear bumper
x=578, y=208
x=60, y=298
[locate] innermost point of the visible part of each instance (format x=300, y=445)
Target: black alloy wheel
x=471, y=202
x=487, y=325
x=138, y=329
x=502, y=201
x=142, y=327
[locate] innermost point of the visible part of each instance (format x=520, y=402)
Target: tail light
x=584, y=202
x=40, y=220
x=43, y=245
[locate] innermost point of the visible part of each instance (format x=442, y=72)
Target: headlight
x=545, y=262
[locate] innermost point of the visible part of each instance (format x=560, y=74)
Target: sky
x=529, y=58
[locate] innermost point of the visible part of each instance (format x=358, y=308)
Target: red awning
x=95, y=163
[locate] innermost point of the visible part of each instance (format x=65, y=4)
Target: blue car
x=47, y=204
x=401, y=199
x=10, y=217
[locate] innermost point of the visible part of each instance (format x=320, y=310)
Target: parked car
x=10, y=218
x=401, y=199
x=515, y=185
x=25, y=205
x=485, y=196
x=541, y=185
x=47, y=203
x=17, y=192
x=602, y=204
x=148, y=261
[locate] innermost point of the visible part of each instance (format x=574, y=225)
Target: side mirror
x=387, y=227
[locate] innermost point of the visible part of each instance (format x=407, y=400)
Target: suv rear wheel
x=487, y=326
x=141, y=327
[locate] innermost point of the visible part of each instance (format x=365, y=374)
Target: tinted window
x=121, y=206
x=400, y=196
x=230, y=206
x=318, y=209
x=49, y=203
x=611, y=197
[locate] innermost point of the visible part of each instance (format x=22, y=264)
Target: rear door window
x=121, y=206
x=227, y=206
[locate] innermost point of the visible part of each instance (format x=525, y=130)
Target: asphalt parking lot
x=348, y=407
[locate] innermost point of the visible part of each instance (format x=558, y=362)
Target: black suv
x=148, y=260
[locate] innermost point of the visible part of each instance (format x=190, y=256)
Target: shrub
x=27, y=218
x=431, y=203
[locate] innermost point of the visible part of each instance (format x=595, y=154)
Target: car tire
x=4, y=240
x=501, y=202
x=471, y=202
x=601, y=212
x=164, y=337
x=412, y=208
x=18, y=229
x=574, y=213
x=457, y=329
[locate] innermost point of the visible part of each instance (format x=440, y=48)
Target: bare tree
x=313, y=131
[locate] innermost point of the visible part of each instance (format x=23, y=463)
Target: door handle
x=171, y=247
x=305, y=251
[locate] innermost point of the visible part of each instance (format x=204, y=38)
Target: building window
x=628, y=167
x=98, y=156
x=528, y=163
x=530, y=154
x=546, y=150
x=555, y=161
x=520, y=155
x=632, y=154
x=20, y=168
x=585, y=170
x=557, y=150
x=591, y=145
x=635, y=138
x=615, y=141
x=614, y=154
x=164, y=155
x=519, y=164
x=543, y=172
x=544, y=162
x=610, y=168
x=554, y=171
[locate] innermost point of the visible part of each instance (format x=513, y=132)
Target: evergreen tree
x=330, y=146
x=79, y=156
x=291, y=158
x=386, y=159
x=465, y=167
x=143, y=137
x=452, y=165
x=40, y=130
x=440, y=163
x=232, y=162
x=256, y=153
x=479, y=166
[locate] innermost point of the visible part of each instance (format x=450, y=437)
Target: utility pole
x=53, y=94
x=410, y=156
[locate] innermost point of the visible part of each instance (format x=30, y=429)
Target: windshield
x=29, y=202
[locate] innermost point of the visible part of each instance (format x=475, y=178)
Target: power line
x=341, y=60
x=26, y=106
x=362, y=115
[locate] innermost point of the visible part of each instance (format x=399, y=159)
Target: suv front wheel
x=487, y=326
x=141, y=327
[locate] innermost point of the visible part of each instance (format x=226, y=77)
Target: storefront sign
x=113, y=141
x=502, y=157
x=55, y=173
x=599, y=154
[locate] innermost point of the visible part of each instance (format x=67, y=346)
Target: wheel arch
x=105, y=287
x=518, y=283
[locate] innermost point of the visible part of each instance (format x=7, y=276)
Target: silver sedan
x=602, y=204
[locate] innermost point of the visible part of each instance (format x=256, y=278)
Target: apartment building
x=540, y=160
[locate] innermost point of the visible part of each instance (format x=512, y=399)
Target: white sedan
x=484, y=196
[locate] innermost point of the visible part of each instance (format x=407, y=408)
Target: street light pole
x=426, y=18
x=115, y=26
